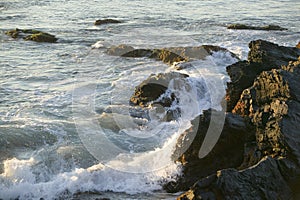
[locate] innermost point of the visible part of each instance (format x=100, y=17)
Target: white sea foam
x=18, y=181
x=99, y=44
x=129, y=172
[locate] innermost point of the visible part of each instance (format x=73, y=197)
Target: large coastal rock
x=227, y=153
x=263, y=56
x=263, y=28
x=272, y=106
x=31, y=34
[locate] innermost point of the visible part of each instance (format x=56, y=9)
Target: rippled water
x=41, y=151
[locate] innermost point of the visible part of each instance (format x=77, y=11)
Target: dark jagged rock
x=263, y=56
x=106, y=21
x=271, y=55
x=262, y=181
x=272, y=106
x=31, y=34
x=264, y=28
x=153, y=87
x=228, y=151
x=154, y=91
x=277, y=117
x=169, y=55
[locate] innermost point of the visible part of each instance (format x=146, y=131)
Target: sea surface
x=67, y=130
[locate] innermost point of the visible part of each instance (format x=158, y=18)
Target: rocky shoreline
x=258, y=153
x=269, y=108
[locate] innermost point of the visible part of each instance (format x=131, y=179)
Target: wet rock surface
x=248, y=27
x=31, y=34
x=154, y=92
x=153, y=87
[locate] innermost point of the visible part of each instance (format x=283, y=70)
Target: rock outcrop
x=263, y=56
x=271, y=161
x=248, y=27
x=227, y=153
x=257, y=155
x=31, y=34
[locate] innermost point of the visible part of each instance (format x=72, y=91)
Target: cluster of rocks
x=31, y=34
x=40, y=36
x=258, y=153
x=154, y=90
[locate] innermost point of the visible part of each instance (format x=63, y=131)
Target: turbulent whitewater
x=66, y=126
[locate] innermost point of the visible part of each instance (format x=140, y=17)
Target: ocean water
x=66, y=126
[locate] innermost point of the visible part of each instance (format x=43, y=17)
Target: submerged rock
x=31, y=34
x=106, y=21
x=263, y=56
x=248, y=27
